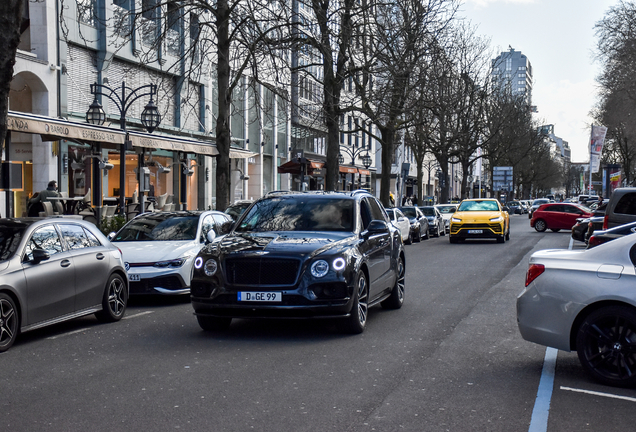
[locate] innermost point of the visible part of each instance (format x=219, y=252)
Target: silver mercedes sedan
x=585, y=301
x=56, y=269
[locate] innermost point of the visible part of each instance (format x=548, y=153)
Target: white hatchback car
x=447, y=211
x=159, y=248
x=401, y=222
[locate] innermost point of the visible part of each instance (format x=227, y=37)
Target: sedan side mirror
x=40, y=255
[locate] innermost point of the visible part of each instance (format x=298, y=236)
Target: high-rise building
x=512, y=70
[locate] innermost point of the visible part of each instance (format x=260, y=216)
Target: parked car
x=402, y=223
x=480, y=218
x=536, y=204
x=237, y=209
x=584, y=227
x=159, y=248
x=515, y=207
x=604, y=236
x=302, y=255
x=446, y=210
x=56, y=269
x=585, y=301
x=621, y=208
x=558, y=216
x=419, y=222
x=436, y=224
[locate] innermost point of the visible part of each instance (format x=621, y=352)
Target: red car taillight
x=533, y=272
x=594, y=241
x=605, y=223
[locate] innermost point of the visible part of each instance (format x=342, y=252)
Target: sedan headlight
x=454, y=219
x=171, y=263
x=497, y=219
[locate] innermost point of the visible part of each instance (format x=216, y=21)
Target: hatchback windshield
x=299, y=214
x=10, y=237
x=159, y=227
x=478, y=206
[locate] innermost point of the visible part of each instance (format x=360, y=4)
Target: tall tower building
x=512, y=70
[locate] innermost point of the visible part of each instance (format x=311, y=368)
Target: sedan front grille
x=261, y=271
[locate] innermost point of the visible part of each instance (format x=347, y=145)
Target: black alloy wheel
x=418, y=235
x=357, y=320
x=115, y=300
x=9, y=322
x=396, y=299
x=606, y=345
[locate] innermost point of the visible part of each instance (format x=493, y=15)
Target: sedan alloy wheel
x=606, y=345
x=115, y=300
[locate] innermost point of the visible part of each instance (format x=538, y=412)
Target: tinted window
x=409, y=212
x=390, y=213
x=428, y=211
x=627, y=204
x=10, y=238
x=299, y=214
x=160, y=227
x=376, y=210
x=45, y=238
x=92, y=239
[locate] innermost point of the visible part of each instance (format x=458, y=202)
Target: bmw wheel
x=396, y=299
x=357, y=320
x=115, y=300
x=606, y=345
x=9, y=322
x=540, y=225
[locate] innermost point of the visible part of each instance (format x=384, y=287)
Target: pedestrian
x=414, y=200
x=35, y=204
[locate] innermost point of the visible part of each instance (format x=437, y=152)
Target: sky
x=558, y=38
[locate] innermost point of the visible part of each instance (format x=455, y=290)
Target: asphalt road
x=451, y=359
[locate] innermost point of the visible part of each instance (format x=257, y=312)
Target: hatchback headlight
x=497, y=219
x=170, y=263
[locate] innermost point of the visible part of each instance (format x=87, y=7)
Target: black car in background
x=436, y=223
x=419, y=222
x=600, y=237
x=302, y=255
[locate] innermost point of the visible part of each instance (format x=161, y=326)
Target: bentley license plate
x=134, y=277
x=475, y=231
x=260, y=296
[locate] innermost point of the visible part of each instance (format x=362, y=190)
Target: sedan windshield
x=447, y=209
x=299, y=214
x=428, y=211
x=10, y=237
x=409, y=212
x=159, y=227
x=478, y=206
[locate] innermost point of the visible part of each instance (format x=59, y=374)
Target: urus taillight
x=533, y=272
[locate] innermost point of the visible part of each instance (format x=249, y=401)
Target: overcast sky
x=558, y=38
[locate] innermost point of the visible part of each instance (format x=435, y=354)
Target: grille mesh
x=261, y=271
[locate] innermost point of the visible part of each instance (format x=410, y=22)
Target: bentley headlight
x=497, y=219
x=319, y=268
x=210, y=267
x=338, y=264
x=454, y=219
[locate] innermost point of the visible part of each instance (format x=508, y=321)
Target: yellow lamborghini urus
x=480, y=218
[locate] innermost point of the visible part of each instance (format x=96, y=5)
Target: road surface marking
x=69, y=333
x=608, y=395
x=539, y=420
x=137, y=315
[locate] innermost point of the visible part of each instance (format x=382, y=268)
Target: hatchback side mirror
x=210, y=236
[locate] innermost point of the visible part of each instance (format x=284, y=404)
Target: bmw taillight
x=605, y=223
x=594, y=241
x=533, y=272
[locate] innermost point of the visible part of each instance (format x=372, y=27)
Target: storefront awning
x=172, y=143
x=241, y=154
x=293, y=167
x=348, y=169
x=52, y=129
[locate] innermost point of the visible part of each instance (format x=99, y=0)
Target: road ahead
x=451, y=359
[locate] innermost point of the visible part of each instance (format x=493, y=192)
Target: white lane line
x=594, y=393
x=539, y=420
x=89, y=328
x=137, y=315
x=69, y=333
x=571, y=243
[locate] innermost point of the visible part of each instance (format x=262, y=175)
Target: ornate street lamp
x=123, y=98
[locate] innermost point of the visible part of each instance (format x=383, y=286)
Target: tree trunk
x=223, y=137
x=385, y=179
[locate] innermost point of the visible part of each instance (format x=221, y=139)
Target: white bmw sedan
x=159, y=248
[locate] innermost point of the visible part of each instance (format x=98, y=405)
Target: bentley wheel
x=606, y=345
x=540, y=225
x=396, y=299
x=214, y=323
x=115, y=300
x=9, y=323
x=357, y=321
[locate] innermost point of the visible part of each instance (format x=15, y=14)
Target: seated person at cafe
x=35, y=203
